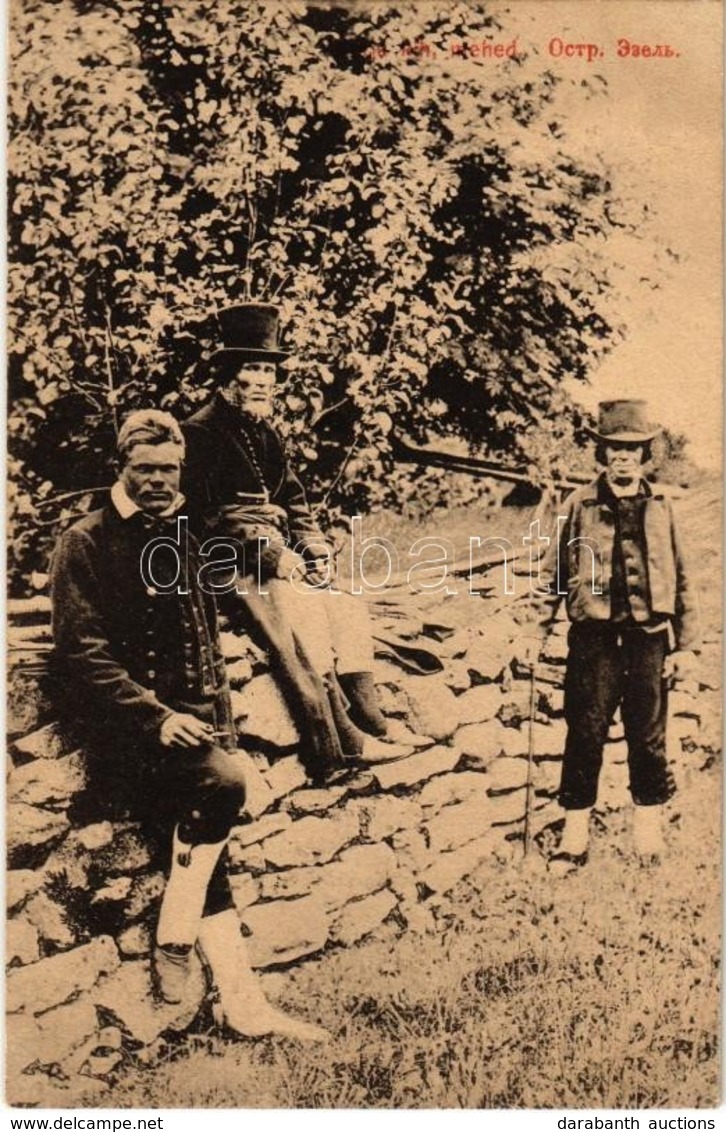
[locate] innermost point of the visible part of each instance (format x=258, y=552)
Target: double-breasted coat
x=129, y=653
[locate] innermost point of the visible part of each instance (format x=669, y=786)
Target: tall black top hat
x=625, y=421
x=250, y=333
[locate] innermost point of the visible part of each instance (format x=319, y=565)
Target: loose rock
x=362, y=917
x=20, y=884
x=480, y=704
x=261, y=714
x=416, y=768
x=284, y=776
x=285, y=930
x=245, y=890
x=51, y=982
x=47, y=742
x=43, y=782
x=30, y=828
x=482, y=743
x=136, y=941
x=22, y=942
x=433, y=709
x=487, y=658
x=456, y=676
x=248, y=833
x=447, y=789
x=448, y=869
x=310, y=840
x=381, y=816
x=359, y=872
x=310, y=801
x=506, y=774
x=126, y=994
x=457, y=824
x=51, y=921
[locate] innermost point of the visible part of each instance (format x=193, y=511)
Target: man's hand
x=320, y=577
x=182, y=730
x=322, y=570
x=290, y=564
x=680, y=665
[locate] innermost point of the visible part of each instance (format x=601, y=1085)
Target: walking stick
x=530, y=758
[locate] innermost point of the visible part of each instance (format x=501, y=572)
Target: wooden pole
x=530, y=759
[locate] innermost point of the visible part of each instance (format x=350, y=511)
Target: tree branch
x=70, y=495
x=343, y=466
x=108, y=346
x=326, y=412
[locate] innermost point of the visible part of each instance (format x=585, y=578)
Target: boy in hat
x=144, y=677
x=619, y=562
x=241, y=488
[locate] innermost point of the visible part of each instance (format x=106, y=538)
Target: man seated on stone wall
x=241, y=488
x=146, y=688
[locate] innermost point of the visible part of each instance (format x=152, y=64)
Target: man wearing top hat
x=241, y=489
x=619, y=563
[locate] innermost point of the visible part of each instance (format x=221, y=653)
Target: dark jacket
x=227, y=454
x=127, y=654
x=580, y=564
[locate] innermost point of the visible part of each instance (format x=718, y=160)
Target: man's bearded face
x=252, y=389
x=624, y=461
x=151, y=475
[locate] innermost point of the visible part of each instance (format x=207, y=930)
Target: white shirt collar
x=126, y=506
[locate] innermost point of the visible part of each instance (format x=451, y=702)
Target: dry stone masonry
x=322, y=868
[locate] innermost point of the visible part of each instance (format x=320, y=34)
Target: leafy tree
x=434, y=239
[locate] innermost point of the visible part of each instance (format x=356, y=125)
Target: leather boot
x=175, y=966
x=177, y=976
x=243, y=1006
x=358, y=746
x=360, y=691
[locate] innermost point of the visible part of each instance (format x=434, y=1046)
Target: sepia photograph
x=364, y=539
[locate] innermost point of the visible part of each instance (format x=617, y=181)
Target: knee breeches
x=202, y=791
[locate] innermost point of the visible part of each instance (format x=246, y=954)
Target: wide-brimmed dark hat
x=250, y=333
x=625, y=421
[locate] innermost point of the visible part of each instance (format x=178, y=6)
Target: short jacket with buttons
x=127, y=652
x=653, y=570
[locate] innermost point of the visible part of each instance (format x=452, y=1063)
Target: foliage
x=433, y=237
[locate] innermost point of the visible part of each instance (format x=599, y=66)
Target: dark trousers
x=132, y=777
x=198, y=789
x=610, y=665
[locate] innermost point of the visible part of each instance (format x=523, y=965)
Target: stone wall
x=322, y=868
